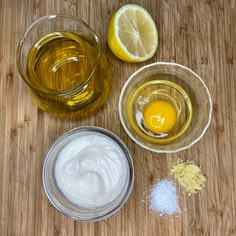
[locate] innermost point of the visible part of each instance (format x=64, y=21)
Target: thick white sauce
x=91, y=170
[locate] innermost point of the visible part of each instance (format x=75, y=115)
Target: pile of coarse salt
x=164, y=198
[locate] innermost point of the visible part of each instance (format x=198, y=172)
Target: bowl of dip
x=88, y=173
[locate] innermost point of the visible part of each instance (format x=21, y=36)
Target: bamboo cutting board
x=197, y=34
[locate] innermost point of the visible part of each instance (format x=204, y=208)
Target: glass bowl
x=54, y=190
x=176, y=85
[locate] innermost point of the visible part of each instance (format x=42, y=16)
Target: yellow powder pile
x=189, y=175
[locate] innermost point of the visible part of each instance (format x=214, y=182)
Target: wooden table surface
x=198, y=34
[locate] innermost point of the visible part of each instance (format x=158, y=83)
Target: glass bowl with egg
x=165, y=107
x=88, y=173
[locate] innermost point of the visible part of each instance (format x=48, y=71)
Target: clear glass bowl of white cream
x=88, y=173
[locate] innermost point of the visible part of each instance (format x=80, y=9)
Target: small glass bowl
x=63, y=204
x=176, y=84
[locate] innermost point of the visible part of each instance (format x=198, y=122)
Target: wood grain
x=199, y=34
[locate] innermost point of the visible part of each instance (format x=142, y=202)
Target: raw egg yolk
x=159, y=116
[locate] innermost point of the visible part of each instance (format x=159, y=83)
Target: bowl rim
x=108, y=134
x=121, y=110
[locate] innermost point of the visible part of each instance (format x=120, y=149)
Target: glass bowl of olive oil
x=61, y=60
x=165, y=107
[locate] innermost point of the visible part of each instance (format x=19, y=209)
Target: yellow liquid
x=70, y=69
x=159, y=96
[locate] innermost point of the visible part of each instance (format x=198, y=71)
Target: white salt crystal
x=163, y=198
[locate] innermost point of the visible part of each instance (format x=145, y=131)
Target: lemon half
x=132, y=34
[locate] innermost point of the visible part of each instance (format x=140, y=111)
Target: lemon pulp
x=159, y=116
x=132, y=34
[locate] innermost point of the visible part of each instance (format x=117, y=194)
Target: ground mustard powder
x=189, y=175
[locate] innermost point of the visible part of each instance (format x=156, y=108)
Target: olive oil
x=72, y=77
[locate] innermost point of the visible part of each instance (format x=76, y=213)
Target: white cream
x=91, y=170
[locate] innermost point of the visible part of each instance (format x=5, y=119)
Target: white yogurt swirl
x=91, y=170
